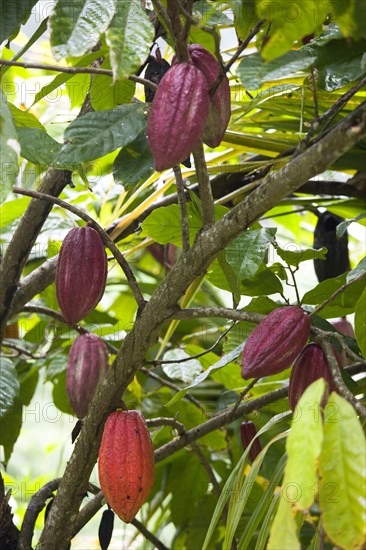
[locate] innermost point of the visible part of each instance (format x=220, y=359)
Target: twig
x=330, y=114
x=172, y=386
x=160, y=9
x=335, y=294
x=201, y=354
x=292, y=272
x=197, y=449
x=74, y=70
x=238, y=52
x=149, y=535
x=182, y=203
x=204, y=186
x=315, y=95
x=224, y=312
x=243, y=394
x=337, y=378
x=34, y=508
x=105, y=237
x=218, y=421
x=21, y=350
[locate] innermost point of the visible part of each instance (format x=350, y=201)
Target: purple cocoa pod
x=81, y=273
x=220, y=108
x=344, y=327
x=275, y=343
x=308, y=367
x=178, y=115
x=87, y=365
x=247, y=433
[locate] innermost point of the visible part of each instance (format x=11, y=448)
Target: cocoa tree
x=206, y=202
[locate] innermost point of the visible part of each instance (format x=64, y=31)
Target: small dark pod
x=247, y=433
x=337, y=259
x=106, y=528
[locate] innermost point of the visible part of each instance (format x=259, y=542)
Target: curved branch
x=105, y=237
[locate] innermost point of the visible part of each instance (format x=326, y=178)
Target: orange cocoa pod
x=126, y=463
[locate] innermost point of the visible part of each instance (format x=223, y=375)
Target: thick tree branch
x=163, y=302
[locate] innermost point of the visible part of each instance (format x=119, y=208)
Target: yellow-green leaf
x=342, y=472
x=303, y=447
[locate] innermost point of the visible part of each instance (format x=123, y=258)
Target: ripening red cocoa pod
x=126, y=463
x=275, y=343
x=165, y=254
x=308, y=367
x=87, y=365
x=343, y=326
x=220, y=107
x=247, y=433
x=81, y=273
x=178, y=115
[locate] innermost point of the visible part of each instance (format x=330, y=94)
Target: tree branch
x=74, y=70
x=181, y=199
x=204, y=187
x=163, y=302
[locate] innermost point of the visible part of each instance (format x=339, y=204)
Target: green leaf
x=295, y=257
x=247, y=252
x=225, y=360
x=360, y=323
x=185, y=371
x=11, y=210
x=303, y=448
x=342, y=227
x=263, y=283
x=341, y=305
x=129, y=38
x=342, y=470
x=65, y=77
x=10, y=425
x=262, y=506
x=351, y=17
x=253, y=71
x=37, y=146
x=104, y=94
x=25, y=118
x=59, y=394
x=96, y=134
x=358, y=271
x=9, y=386
x=230, y=275
x=283, y=535
x=134, y=162
x=13, y=14
x=187, y=483
x=9, y=148
x=76, y=26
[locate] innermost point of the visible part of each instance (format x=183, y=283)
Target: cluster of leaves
x=197, y=375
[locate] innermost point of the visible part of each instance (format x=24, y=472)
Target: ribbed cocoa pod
x=247, y=433
x=343, y=326
x=87, y=365
x=126, y=463
x=220, y=107
x=275, y=343
x=308, y=367
x=337, y=258
x=178, y=115
x=81, y=273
